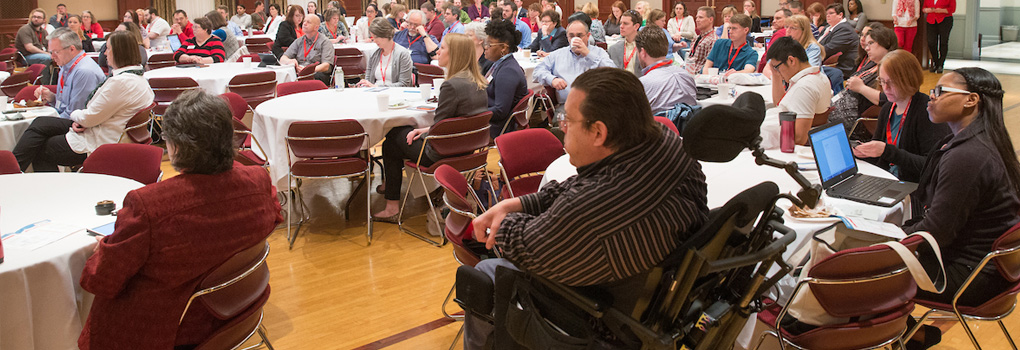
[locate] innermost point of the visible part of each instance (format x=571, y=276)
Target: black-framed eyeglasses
x=776, y=67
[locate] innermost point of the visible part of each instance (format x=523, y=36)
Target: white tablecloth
x=726, y=180
x=214, y=78
x=43, y=306
x=3, y=76
x=11, y=130
x=273, y=118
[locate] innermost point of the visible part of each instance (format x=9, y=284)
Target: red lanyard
x=412, y=41
x=888, y=126
x=729, y=63
x=308, y=48
x=40, y=35
x=383, y=67
x=659, y=65
x=62, y=76
x=626, y=60
x=270, y=22
x=332, y=32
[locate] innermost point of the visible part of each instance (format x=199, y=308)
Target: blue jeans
x=34, y=58
x=835, y=78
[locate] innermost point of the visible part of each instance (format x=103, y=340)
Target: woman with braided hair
x=967, y=196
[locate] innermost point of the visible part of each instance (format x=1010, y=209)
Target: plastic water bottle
x=338, y=78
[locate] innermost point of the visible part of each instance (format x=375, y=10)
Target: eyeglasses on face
x=939, y=90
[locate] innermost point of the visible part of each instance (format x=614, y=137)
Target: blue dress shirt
x=567, y=65
x=78, y=84
x=525, y=33
x=235, y=28
x=419, y=53
x=457, y=27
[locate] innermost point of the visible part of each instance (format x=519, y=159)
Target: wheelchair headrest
x=718, y=133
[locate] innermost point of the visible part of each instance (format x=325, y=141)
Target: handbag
x=826, y=242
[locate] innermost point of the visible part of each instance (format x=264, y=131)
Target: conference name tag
x=191, y=47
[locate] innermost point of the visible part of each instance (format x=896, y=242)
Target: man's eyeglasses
x=54, y=52
x=633, y=12
x=776, y=67
x=939, y=90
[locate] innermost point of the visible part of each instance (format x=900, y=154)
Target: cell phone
x=855, y=143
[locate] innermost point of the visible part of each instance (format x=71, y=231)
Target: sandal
x=392, y=219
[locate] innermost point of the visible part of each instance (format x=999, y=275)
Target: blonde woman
x=597, y=30
x=798, y=27
x=751, y=10
x=396, y=15
x=644, y=9
x=723, y=31
x=74, y=24
x=461, y=95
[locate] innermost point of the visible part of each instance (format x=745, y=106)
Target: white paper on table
x=876, y=227
x=40, y=235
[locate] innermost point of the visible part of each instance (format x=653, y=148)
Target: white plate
x=836, y=211
x=804, y=152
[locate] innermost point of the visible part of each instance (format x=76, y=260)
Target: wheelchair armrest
x=591, y=300
x=774, y=248
x=474, y=291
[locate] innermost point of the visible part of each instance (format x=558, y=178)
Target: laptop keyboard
x=865, y=186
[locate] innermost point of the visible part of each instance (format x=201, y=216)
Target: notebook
x=838, y=170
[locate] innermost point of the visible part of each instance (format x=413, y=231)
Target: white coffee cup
x=526, y=53
x=426, y=91
x=247, y=62
x=439, y=84
x=725, y=90
x=712, y=71
x=384, y=101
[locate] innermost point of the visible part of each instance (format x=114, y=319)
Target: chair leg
x=966, y=327
x=347, y=207
x=447, y=301
x=428, y=198
x=290, y=208
x=1006, y=333
x=761, y=339
x=456, y=338
x=265, y=339
x=368, y=204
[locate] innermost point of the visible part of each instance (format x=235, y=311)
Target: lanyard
x=270, y=22
x=40, y=35
x=412, y=41
x=863, y=62
x=659, y=65
x=332, y=32
x=62, y=76
x=729, y=64
x=383, y=67
x=888, y=126
x=626, y=59
x=308, y=48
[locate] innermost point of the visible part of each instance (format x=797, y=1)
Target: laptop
x=268, y=59
x=838, y=170
x=175, y=42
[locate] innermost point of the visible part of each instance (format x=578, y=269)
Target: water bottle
x=788, y=129
x=338, y=78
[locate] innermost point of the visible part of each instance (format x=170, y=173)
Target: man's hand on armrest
x=492, y=218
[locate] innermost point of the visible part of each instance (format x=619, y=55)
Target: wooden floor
x=333, y=291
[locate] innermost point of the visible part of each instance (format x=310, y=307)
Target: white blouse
x=107, y=114
x=683, y=28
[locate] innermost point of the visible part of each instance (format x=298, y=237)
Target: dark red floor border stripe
x=405, y=335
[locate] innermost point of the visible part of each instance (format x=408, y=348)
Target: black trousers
x=394, y=150
x=938, y=40
x=323, y=77
x=44, y=146
x=986, y=285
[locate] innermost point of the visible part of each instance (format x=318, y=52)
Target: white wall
x=103, y=9
x=194, y=8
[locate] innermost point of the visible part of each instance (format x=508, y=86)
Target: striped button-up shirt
x=618, y=217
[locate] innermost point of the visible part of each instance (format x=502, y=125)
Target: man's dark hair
x=513, y=6
x=885, y=37
x=785, y=12
x=199, y=127
x=59, y=5
x=181, y=12
x=505, y=32
x=242, y=6
x=223, y=7
x=428, y=6
x=152, y=11
x=794, y=4
x=785, y=47
x=553, y=15
x=653, y=40
x=216, y=21
x=454, y=10
x=616, y=98
x=635, y=17
x=580, y=16
x=258, y=2
x=709, y=12
x=838, y=7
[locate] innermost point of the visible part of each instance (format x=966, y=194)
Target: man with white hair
x=415, y=38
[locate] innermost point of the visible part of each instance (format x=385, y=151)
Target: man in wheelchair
x=636, y=197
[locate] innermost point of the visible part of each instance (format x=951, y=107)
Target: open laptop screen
x=832, y=152
x=175, y=42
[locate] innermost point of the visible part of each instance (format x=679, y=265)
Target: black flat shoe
x=931, y=69
x=380, y=189
x=932, y=336
x=939, y=70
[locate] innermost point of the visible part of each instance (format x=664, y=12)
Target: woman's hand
x=855, y=83
x=871, y=149
x=364, y=83
x=415, y=134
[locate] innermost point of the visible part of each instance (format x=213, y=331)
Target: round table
x=214, y=78
x=272, y=118
x=11, y=130
x=43, y=305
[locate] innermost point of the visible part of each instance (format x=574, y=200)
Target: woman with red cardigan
x=89, y=25
x=939, y=15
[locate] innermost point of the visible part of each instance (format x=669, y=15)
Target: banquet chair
x=307, y=73
x=822, y=118
x=160, y=60
x=36, y=70
x=351, y=60
x=9, y=57
x=253, y=56
x=869, y=286
x=257, y=45
x=523, y=157
x=166, y=91
x=15, y=83
x=243, y=138
x=831, y=61
x=3, y=67
x=300, y=86
x=1005, y=255
x=137, y=128
x=521, y=113
x=602, y=45
x=427, y=73
x=235, y=291
x=872, y=112
x=669, y=124
x=8, y=163
x=328, y=150
x=462, y=143
x=255, y=88
x=133, y=161
x=28, y=93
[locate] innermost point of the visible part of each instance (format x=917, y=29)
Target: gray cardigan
x=400, y=63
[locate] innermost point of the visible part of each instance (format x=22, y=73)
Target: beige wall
x=103, y=9
x=877, y=10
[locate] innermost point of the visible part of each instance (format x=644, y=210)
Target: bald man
x=311, y=49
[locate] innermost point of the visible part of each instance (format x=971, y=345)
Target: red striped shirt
x=212, y=48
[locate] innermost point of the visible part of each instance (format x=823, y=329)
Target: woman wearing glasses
x=967, y=196
x=904, y=135
x=508, y=83
x=862, y=90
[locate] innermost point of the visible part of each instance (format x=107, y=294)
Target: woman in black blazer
x=902, y=147
x=508, y=84
x=287, y=32
x=461, y=95
x=545, y=43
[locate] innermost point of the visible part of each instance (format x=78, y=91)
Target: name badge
x=490, y=78
x=59, y=104
x=191, y=47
